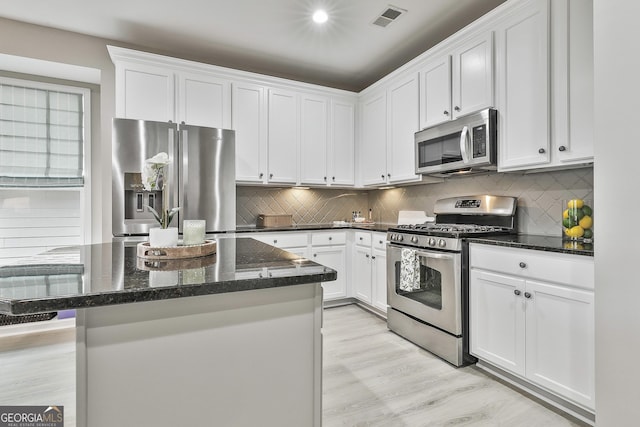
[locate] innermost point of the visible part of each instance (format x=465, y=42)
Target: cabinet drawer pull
x=523, y=265
x=367, y=255
x=517, y=292
x=456, y=108
x=446, y=113
x=330, y=238
x=542, y=151
x=562, y=148
x=527, y=295
x=373, y=257
x=315, y=255
x=275, y=241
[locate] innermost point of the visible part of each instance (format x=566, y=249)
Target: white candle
x=193, y=231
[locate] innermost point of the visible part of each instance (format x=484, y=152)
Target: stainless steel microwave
x=461, y=146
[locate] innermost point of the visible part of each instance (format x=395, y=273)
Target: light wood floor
x=371, y=377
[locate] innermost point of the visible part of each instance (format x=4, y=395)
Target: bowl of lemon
x=577, y=220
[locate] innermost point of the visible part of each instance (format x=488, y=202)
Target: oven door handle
x=436, y=255
x=426, y=254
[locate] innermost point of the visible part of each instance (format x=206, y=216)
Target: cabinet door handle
x=456, y=108
x=445, y=112
x=333, y=178
x=517, y=292
x=367, y=255
x=373, y=257
x=275, y=241
x=380, y=241
x=527, y=295
x=315, y=255
x=562, y=148
x=261, y=175
x=523, y=265
x=270, y=175
x=325, y=179
x=382, y=176
x=361, y=239
x=389, y=175
x=542, y=151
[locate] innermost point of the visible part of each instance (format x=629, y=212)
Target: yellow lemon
x=565, y=214
x=576, y=231
x=586, y=222
x=575, y=203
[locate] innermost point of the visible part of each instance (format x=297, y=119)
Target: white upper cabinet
x=435, y=92
x=204, y=100
x=545, y=85
x=145, y=92
x=373, y=139
x=472, y=86
x=572, y=71
x=314, y=139
x=342, y=142
x=403, y=112
x=523, y=86
x=249, y=120
x=284, y=134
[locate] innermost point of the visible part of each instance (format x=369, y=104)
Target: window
x=44, y=167
x=41, y=135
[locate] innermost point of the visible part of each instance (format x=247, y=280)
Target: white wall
x=617, y=198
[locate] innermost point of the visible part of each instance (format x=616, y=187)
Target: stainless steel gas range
x=427, y=272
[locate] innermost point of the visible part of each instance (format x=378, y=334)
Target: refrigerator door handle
x=184, y=176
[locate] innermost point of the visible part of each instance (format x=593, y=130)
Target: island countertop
x=111, y=273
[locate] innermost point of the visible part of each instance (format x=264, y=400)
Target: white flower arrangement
x=153, y=179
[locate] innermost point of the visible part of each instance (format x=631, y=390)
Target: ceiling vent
x=390, y=14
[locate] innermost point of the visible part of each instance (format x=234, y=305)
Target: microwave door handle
x=464, y=143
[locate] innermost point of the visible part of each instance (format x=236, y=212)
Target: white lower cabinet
x=330, y=249
x=379, y=271
x=369, y=270
x=361, y=273
x=532, y=314
x=296, y=243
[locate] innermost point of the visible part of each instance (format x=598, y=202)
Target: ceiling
x=275, y=37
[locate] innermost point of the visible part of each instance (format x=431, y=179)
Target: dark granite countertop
x=540, y=243
x=111, y=273
x=379, y=227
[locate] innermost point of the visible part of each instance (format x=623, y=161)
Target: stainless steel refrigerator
x=200, y=176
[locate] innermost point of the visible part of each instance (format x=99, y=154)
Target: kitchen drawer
x=283, y=240
x=573, y=270
x=379, y=241
x=363, y=238
x=331, y=238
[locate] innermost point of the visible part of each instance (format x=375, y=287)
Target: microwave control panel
x=479, y=138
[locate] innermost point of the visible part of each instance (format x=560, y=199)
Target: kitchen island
x=229, y=339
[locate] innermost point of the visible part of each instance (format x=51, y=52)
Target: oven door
x=438, y=299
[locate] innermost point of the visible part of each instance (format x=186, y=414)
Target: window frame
x=85, y=189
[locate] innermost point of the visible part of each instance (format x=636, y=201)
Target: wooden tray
x=175, y=264
x=145, y=251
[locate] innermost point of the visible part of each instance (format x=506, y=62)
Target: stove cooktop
x=451, y=230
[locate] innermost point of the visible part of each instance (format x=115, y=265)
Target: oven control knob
x=414, y=239
x=392, y=237
x=399, y=238
x=442, y=243
x=432, y=242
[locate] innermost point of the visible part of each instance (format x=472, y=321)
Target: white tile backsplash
x=540, y=197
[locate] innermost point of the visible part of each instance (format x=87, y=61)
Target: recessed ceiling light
x=320, y=16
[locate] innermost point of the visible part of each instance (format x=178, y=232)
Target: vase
x=163, y=237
